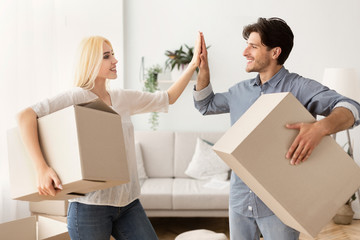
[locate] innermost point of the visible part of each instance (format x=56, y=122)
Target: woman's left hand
x=195, y=61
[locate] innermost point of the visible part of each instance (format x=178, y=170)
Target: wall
x=326, y=35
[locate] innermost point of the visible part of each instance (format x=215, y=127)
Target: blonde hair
x=89, y=61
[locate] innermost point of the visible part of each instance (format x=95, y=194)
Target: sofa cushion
x=206, y=164
x=191, y=194
x=156, y=193
x=157, y=152
x=185, y=143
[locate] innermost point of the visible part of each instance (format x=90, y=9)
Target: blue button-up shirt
x=318, y=100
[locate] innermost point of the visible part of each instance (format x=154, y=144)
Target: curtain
x=39, y=39
x=27, y=75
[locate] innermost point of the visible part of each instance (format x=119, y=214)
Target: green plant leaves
x=179, y=57
x=151, y=85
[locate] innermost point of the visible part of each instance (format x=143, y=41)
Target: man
x=269, y=43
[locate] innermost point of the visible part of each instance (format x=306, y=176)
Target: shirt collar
x=273, y=81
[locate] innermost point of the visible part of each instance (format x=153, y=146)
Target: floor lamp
x=345, y=82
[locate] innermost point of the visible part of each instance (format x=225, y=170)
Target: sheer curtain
x=27, y=65
x=39, y=39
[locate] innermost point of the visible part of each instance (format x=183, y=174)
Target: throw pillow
x=206, y=164
x=140, y=162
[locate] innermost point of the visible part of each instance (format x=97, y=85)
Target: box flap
x=98, y=104
x=101, y=145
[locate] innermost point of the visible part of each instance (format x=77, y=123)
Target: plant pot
x=344, y=215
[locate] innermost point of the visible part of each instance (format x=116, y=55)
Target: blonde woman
x=115, y=211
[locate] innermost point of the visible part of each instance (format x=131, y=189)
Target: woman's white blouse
x=125, y=103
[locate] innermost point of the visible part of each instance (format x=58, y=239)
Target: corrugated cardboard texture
x=305, y=196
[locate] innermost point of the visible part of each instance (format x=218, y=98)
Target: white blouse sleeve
x=60, y=101
x=143, y=102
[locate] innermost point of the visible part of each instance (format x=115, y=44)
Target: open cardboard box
x=30, y=229
x=84, y=144
x=306, y=196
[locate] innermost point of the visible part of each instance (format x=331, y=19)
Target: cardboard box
x=84, y=144
x=50, y=229
x=54, y=217
x=50, y=207
x=24, y=229
x=306, y=196
x=30, y=229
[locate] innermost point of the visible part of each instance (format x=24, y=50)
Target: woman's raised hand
x=197, y=51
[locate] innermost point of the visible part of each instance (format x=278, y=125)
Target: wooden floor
x=333, y=232
x=169, y=228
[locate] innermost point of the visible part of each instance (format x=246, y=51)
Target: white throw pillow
x=140, y=162
x=206, y=164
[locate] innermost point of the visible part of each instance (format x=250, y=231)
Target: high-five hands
x=197, y=51
x=203, y=56
x=203, y=79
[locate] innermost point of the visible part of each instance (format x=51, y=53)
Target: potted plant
x=151, y=85
x=345, y=214
x=178, y=60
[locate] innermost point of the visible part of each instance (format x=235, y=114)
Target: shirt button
x=250, y=208
x=250, y=191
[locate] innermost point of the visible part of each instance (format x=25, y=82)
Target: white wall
x=326, y=35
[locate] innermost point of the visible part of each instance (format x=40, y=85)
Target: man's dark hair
x=274, y=32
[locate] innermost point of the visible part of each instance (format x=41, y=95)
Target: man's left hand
x=310, y=135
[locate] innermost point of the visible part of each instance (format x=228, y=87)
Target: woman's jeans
x=94, y=222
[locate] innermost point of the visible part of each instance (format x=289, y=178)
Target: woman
x=115, y=211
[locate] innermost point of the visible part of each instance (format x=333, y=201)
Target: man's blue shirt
x=316, y=98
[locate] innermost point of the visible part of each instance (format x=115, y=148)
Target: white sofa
x=168, y=191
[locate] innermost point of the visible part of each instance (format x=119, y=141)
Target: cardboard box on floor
x=84, y=144
x=30, y=229
x=50, y=207
x=306, y=196
x=36, y=228
x=20, y=229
